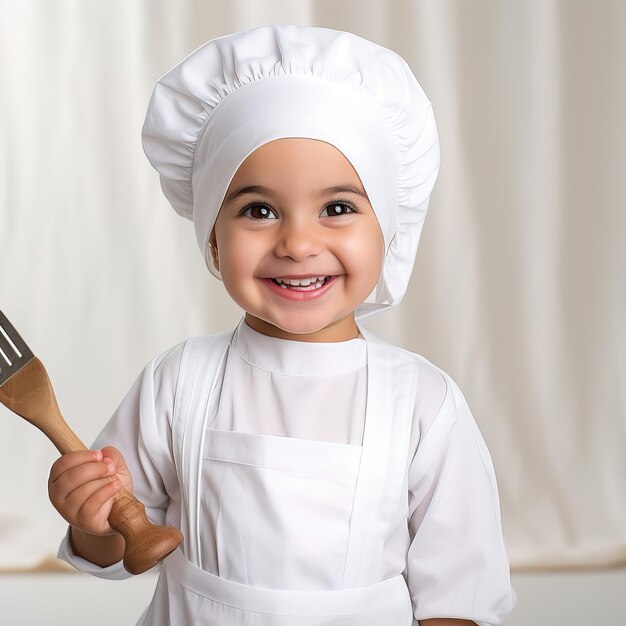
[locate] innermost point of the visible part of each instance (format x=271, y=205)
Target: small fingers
x=88, y=506
x=75, y=480
x=71, y=460
x=94, y=510
x=78, y=475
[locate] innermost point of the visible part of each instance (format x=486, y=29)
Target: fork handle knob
x=146, y=544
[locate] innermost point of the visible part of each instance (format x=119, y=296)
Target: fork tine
x=14, y=352
x=7, y=353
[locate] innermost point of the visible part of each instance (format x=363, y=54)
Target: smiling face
x=296, y=255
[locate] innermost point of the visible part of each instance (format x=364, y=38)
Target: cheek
x=239, y=255
x=236, y=270
x=364, y=253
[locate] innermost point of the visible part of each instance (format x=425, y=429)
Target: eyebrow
x=319, y=192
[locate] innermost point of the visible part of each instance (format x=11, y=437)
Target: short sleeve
x=457, y=562
x=141, y=429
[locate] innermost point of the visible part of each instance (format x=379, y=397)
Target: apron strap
x=391, y=386
x=390, y=597
x=195, y=401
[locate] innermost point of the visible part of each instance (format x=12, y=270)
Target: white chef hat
x=237, y=92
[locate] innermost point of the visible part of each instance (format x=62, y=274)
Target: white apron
x=307, y=499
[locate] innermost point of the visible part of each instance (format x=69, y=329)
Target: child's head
x=298, y=109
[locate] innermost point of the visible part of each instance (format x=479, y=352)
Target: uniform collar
x=298, y=358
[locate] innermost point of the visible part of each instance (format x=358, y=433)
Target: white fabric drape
x=519, y=290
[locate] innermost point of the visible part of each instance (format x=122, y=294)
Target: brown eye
x=336, y=209
x=258, y=212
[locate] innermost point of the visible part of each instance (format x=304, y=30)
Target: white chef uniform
x=315, y=484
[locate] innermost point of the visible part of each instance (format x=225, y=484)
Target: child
x=319, y=475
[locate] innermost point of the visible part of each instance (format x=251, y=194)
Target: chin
x=298, y=325
x=300, y=328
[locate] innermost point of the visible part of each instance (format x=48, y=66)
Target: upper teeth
x=300, y=282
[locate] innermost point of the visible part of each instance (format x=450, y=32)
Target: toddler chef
x=319, y=475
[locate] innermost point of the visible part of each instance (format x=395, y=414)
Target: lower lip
x=299, y=296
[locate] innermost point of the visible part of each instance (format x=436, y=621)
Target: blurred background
x=519, y=288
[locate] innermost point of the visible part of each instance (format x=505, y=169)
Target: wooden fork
x=25, y=388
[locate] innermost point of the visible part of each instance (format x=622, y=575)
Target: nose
x=298, y=240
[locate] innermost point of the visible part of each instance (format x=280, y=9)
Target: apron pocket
x=281, y=508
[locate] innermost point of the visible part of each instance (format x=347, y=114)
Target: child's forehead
x=309, y=168
x=305, y=143
x=310, y=159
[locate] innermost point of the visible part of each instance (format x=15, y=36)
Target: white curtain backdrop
x=519, y=290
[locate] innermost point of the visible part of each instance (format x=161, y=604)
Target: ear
x=213, y=249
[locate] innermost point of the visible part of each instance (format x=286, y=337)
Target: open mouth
x=302, y=284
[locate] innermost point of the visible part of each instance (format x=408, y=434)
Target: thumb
x=121, y=469
x=116, y=456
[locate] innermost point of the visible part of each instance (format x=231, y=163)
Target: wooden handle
x=146, y=544
x=30, y=394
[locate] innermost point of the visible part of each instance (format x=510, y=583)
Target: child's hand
x=82, y=484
